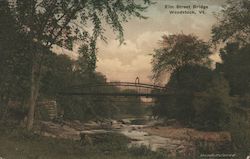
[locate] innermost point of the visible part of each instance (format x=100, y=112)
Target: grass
x=17, y=143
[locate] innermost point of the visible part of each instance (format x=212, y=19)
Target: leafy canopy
x=179, y=50
x=197, y=97
x=63, y=21
x=13, y=62
x=236, y=68
x=234, y=23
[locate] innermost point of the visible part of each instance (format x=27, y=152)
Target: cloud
x=115, y=70
x=125, y=52
x=142, y=45
x=126, y=62
x=149, y=40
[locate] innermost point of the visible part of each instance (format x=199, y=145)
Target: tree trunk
x=34, y=89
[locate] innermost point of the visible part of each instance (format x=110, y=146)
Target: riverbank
x=189, y=134
x=174, y=141
x=111, y=139
x=17, y=143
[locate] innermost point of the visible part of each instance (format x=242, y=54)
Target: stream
x=149, y=133
x=138, y=136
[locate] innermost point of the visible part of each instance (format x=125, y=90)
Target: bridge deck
x=113, y=94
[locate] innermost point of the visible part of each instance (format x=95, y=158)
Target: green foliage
x=86, y=60
x=197, y=98
x=240, y=131
x=236, y=68
x=181, y=87
x=62, y=74
x=212, y=108
x=57, y=75
x=29, y=29
x=46, y=23
x=63, y=22
x=14, y=63
x=233, y=28
x=20, y=143
x=234, y=25
x=86, y=108
x=178, y=50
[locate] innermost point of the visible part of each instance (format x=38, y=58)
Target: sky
x=132, y=59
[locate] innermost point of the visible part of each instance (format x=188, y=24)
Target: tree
x=197, y=97
x=14, y=63
x=212, y=108
x=233, y=23
x=236, y=68
x=60, y=22
x=86, y=61
x=183, y=83
x=58, y=74
x=62, y=74
x=234, y=30
x=240, y=132
x=178, y=50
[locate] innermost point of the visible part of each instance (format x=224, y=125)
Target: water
x=139, y=137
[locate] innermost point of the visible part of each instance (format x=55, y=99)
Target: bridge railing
x=114, y=89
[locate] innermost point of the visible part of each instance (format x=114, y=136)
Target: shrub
x=239, y=128
x=198, y=97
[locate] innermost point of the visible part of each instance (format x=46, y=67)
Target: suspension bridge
x=115, y=89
